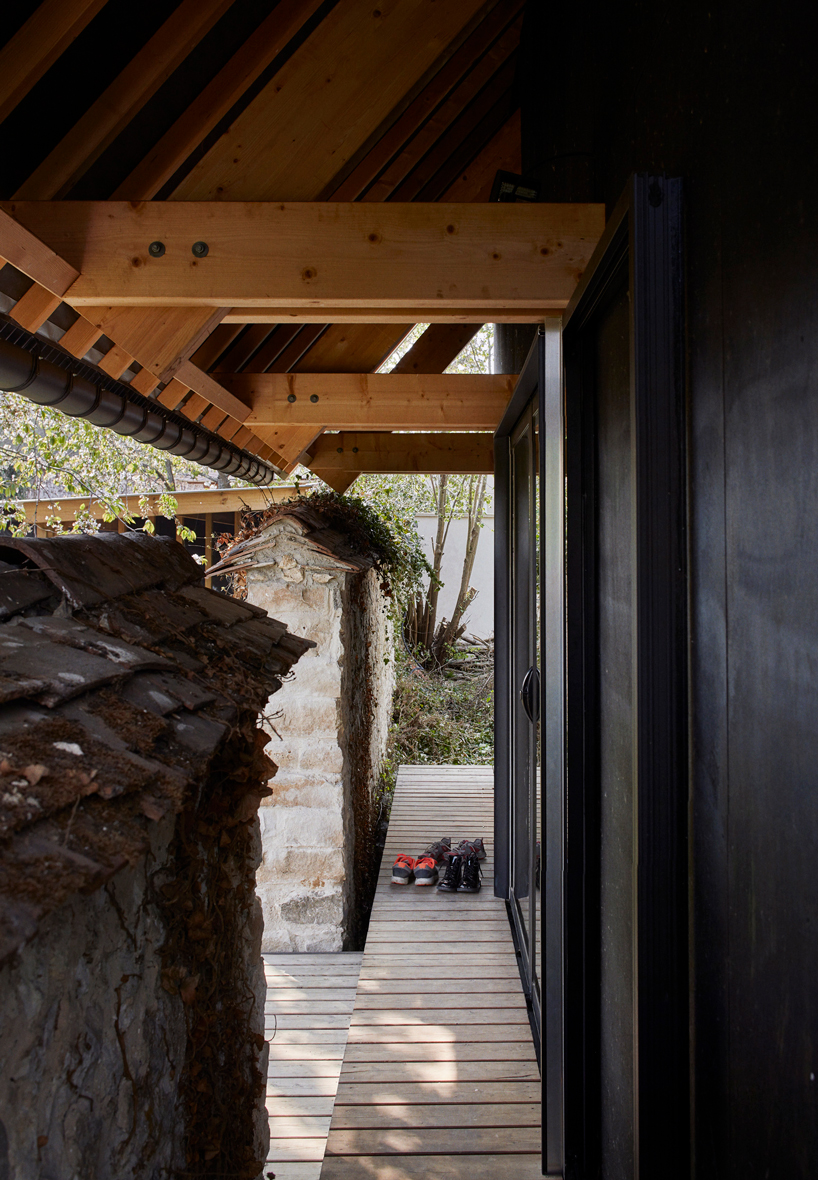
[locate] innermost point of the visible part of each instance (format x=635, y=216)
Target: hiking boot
x=439, y=851
x=451, y=878
x=471, y=848
x=470, y=875
x=425, y=870
x=403, y=870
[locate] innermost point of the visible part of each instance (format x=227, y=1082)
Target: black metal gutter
x=49, y=376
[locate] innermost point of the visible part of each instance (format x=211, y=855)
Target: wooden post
x=208, y=544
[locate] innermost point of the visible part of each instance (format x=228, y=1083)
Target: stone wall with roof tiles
x=311, y=870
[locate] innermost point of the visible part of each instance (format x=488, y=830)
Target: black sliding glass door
x=529, y=524
x=517, y=634
x=590, y=718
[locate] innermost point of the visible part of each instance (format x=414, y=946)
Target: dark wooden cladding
x=678, y=92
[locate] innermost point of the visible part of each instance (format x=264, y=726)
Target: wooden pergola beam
x=193, y=503
x=414, y=256
x=402, y=454
x=391, y=315
x=371, y=401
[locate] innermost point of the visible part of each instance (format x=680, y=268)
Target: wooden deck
x=439, y=1077
x=307, y=1015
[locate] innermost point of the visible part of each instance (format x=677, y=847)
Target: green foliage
x=439, y=720
x=388, y=536
x=45, y=454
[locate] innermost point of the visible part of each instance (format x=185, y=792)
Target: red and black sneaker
x=403, y=870
x=425, y=870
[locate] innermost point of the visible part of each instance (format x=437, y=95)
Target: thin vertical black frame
x=504, y=693
x=643, y=244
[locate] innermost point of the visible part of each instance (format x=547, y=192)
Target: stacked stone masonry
x=329, y=728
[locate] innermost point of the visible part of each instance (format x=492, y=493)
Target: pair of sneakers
x=423, y=869
x=463, y=871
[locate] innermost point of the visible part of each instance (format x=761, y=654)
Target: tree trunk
x=437, y=561
x=477, y=495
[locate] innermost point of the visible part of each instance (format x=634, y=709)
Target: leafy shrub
x=438, y=720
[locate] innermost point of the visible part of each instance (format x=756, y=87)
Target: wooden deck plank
x=384, y=1051
x=448, y=969
x=296, y=1052
x=307, y=1014
x=449, y=1017
x=299, y=1088
x=422, y=1093
x=433, y=1140
x=471, y=999
x=299, y=1126
x=439, y=1076
x=430, y=1115
x=439, y=1071
x=297, y=1171
x=423, y=1167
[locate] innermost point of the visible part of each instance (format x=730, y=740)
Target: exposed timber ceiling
x=239, y=124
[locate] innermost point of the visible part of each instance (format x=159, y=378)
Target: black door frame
x=643, y=244
x=507, y=706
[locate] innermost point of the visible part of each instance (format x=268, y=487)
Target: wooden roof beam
x=271, y=150
x=403, y=454
x=217, y=98
x=510, y=314
x=36, y=46
x=371, y=401
x=410, y=257
x=412, y=127
x=189, y=503
x=436, y=348
x=124, y=98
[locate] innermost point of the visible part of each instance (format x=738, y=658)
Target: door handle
x=530, y=695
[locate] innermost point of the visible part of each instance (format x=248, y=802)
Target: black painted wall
x=724, y=95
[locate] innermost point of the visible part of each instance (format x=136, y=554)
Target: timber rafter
x=380, y=123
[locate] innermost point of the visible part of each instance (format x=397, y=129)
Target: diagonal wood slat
x=216, y=99
x=36, y=46
x=124, y=98
x=271, y=151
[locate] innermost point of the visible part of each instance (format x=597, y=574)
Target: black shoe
x=451, y=879
x=470, y=877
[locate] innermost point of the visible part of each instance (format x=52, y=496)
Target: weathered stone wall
x=94, y=1036
x=366, y=700
x=90, y=1043
x=330, y=745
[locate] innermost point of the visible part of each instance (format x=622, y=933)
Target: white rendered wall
x=479, y=618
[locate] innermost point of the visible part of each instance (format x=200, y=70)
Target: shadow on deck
x=438, y=1077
